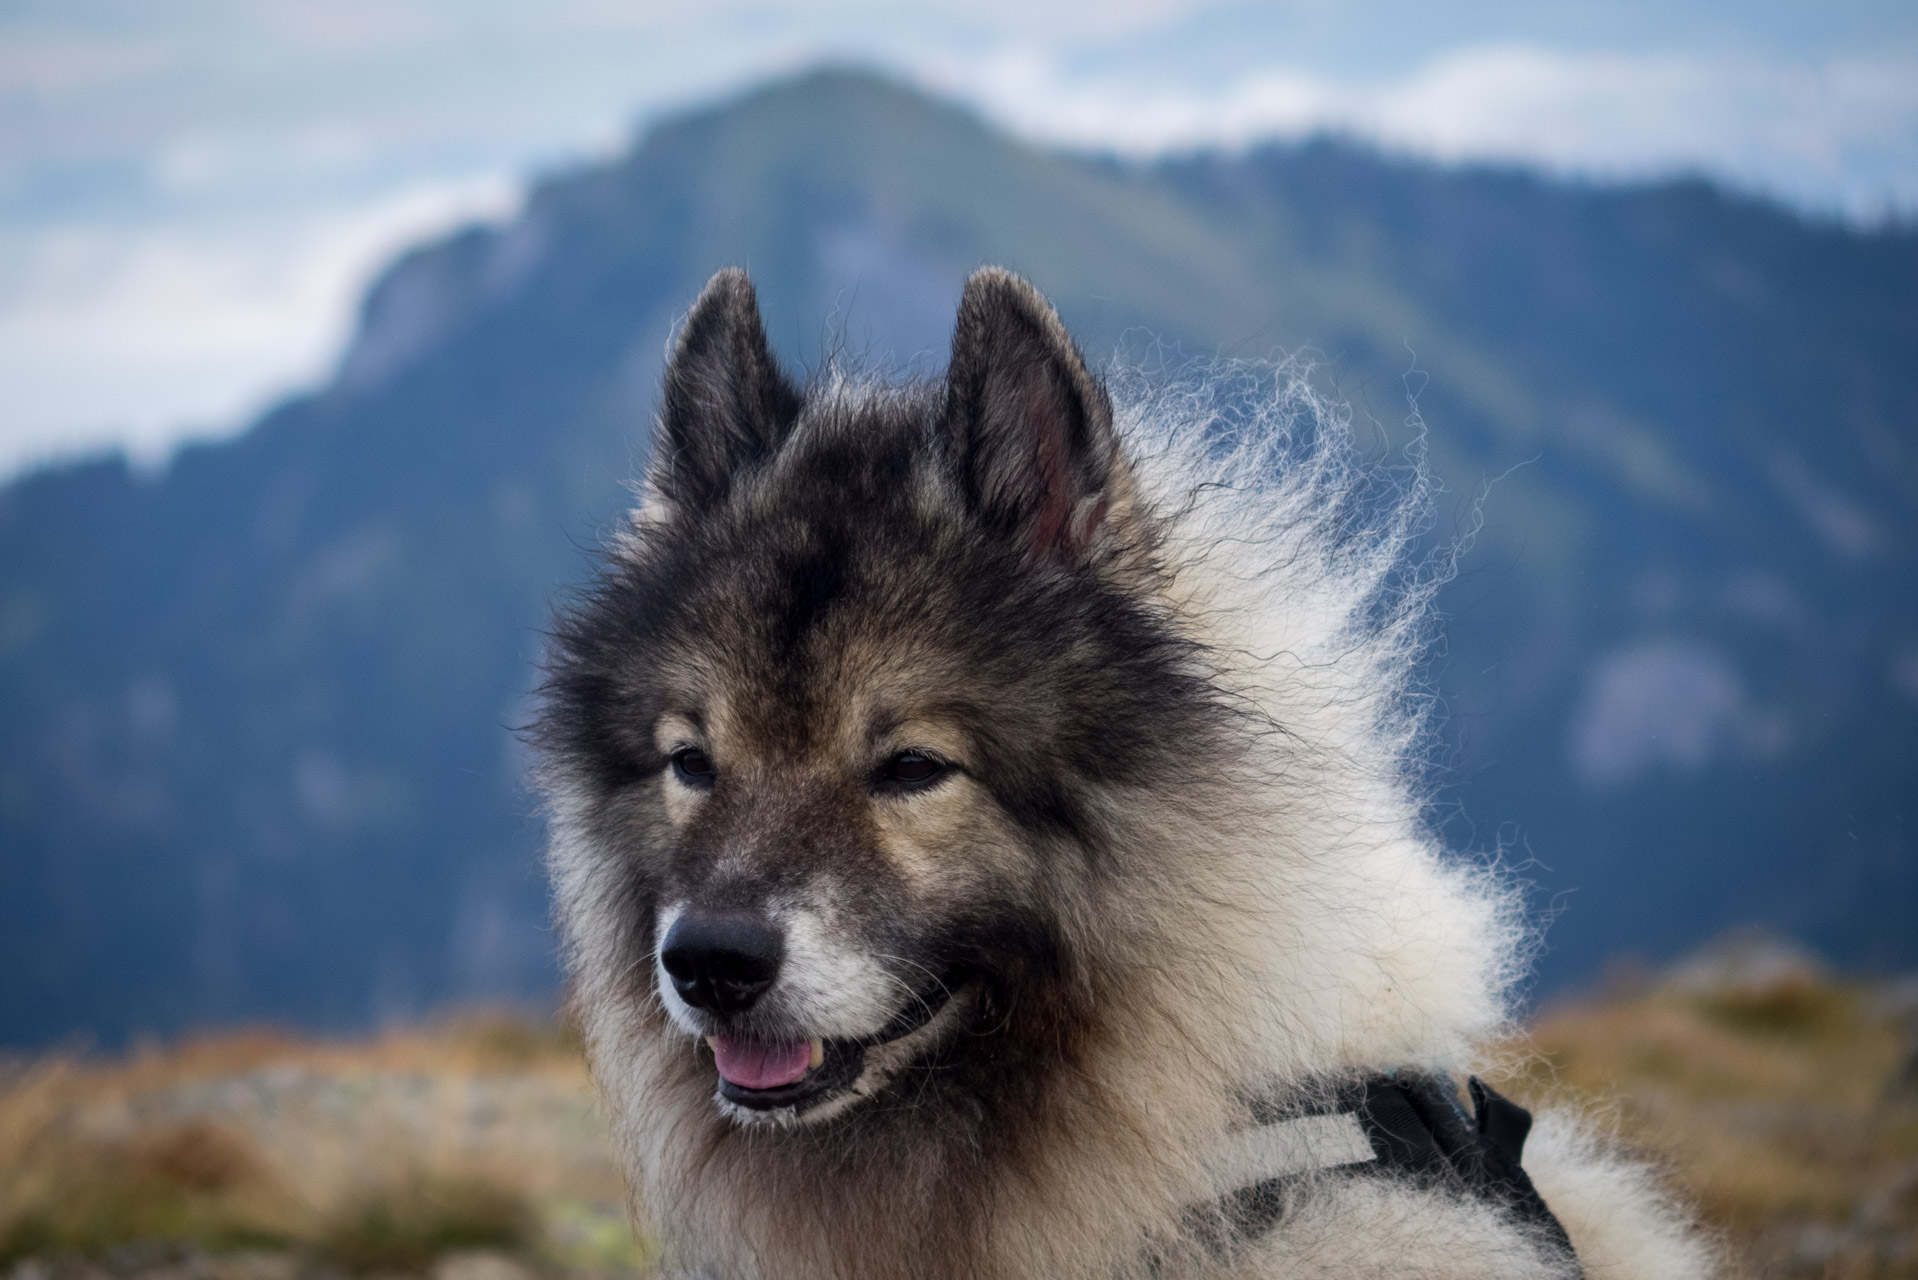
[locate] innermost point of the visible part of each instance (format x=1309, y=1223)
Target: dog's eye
x=911, y=769
x=694, y=767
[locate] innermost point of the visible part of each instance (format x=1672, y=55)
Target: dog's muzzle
x=722, y=963
x=801, y=1075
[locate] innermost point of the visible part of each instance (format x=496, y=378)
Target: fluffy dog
x=987, y=839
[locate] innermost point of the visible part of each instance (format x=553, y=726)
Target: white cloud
x=191, y=195
x=1841, y=134
x=69, y=64
x=1662, y=706
x=1844, y=525
x=937, y=21
x=138, y=339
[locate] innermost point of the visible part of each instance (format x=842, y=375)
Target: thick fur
x=1167, y=651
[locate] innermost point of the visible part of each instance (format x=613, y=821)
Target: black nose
x=721, y=961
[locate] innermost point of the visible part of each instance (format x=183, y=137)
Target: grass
x=1787, y=1113
x=405, y=1228
x=367, y=1157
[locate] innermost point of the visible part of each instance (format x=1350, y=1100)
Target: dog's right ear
x=726, y=406
x=1030, y=427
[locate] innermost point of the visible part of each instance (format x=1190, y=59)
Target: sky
x=193, y=194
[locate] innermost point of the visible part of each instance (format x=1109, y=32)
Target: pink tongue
x=752, y=1065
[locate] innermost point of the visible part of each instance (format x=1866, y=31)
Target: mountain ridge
x=255, y=758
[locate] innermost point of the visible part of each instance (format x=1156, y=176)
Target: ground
x=1782, y=1101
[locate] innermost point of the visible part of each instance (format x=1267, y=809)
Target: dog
x=986, y=835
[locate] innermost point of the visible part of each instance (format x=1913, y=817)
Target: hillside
x=256, y=711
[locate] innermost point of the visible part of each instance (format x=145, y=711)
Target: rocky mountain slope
x=257, y=711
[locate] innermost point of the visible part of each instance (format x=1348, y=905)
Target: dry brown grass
x=372, y=1156
x=1779, y=1109
x=1782, y=1110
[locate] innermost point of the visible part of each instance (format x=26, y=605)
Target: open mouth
x=765, y=1075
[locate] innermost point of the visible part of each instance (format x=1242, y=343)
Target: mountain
x=257, y=757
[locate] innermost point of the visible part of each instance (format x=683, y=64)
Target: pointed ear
x=727, y=404
x=1030, y=427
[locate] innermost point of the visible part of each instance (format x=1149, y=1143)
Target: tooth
x=712, y=1042
x=818, y=1052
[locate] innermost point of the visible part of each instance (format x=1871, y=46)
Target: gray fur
x=1166, y=659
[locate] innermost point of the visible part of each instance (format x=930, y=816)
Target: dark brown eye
x=912, y=769
x=693, y=766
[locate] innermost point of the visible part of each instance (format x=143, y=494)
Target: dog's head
x=829, y=740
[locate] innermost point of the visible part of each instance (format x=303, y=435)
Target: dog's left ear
x=1030, y=427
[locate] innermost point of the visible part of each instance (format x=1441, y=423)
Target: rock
x=1748, y=964
x=58, y=1267
x=480, y=1264
x=253, y=1264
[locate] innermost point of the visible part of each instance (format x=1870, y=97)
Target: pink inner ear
x=1055, y=481
x=1036, y=465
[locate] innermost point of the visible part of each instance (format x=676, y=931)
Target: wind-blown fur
x=1172, y=639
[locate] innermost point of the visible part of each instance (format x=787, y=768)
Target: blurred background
x=329, y=335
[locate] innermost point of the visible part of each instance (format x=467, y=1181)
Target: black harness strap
x=1414, y=1128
